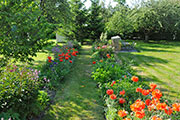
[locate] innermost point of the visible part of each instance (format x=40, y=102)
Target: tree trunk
x=146, y=37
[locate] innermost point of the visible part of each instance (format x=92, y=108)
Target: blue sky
x=129, y=2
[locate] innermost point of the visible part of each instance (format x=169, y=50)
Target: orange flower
x=134, y=78
x=156, y=94
x=126, y=119
x=113, y=96
x=145, y=92
x=155, y=101
x=168, y=111
x=122, y=92
x=152, y=86
x=101, y=61
x=140, y=114
x=109, y=91
x=139, y=90
x=148, y=102
x=161, y=106
x=176, y=106
x=155, y=118
x=122, y=100
x=137, y=106
x=122, y=113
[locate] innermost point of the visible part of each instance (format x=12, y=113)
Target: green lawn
x=159, y=63
x=78, y=97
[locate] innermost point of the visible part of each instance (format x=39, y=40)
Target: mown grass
x=77, y=98
x=158, y=62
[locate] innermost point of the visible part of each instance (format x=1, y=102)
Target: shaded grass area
x=159, y=63
x=78, y=97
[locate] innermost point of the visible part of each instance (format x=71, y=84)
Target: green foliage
x=76, y=29
x=23, y=31
x=9, y=115
x=158, y=19
x=121, y=22
x=95, y=24
x=18, y=89
x=43, y=98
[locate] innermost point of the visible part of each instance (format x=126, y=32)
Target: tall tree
x=76, y=29
x=95, y=21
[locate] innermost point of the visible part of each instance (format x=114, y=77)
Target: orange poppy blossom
x=122, y=92
x=152, y=86
x=161, y=106
x=155, y=118
x=148, y=102
x=108, y=56
x=140, y=114
x=145, y=92
x=137, y=106
x=176, y=107
x=168, y=110
x=113, y=96
x=156, y=94
x=139, y=90
x=109, y=91
x=135, y=79
x=122, y=100
x=122, y=113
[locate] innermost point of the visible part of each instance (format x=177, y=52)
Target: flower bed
x=24, y=91
x=126, y=96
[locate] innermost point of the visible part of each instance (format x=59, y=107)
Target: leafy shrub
x=18, y=89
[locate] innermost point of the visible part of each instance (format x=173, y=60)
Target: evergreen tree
x=95, y=21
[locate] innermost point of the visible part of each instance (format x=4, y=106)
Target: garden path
x=78, y=98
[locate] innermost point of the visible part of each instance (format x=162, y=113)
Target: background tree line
x=27, y=25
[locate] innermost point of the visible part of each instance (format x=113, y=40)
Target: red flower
x=113, y=83
x=145, y=92
x=156, y=93
x=61, y=60
x=66, y=58
x=140, y=114
x=94, y=62
x=168, y=111
x=148, y=102
x=74, y=53
x=109, y=91
x=108, y=56
x=122, y=100
x=49, y=57
x=176, y=106
x=113, y=96
x=135, y=79
x=122, y=92
x=49, y=61
x=139, y=90
x=152, y=86
x=122, y=113
x=70, y=61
